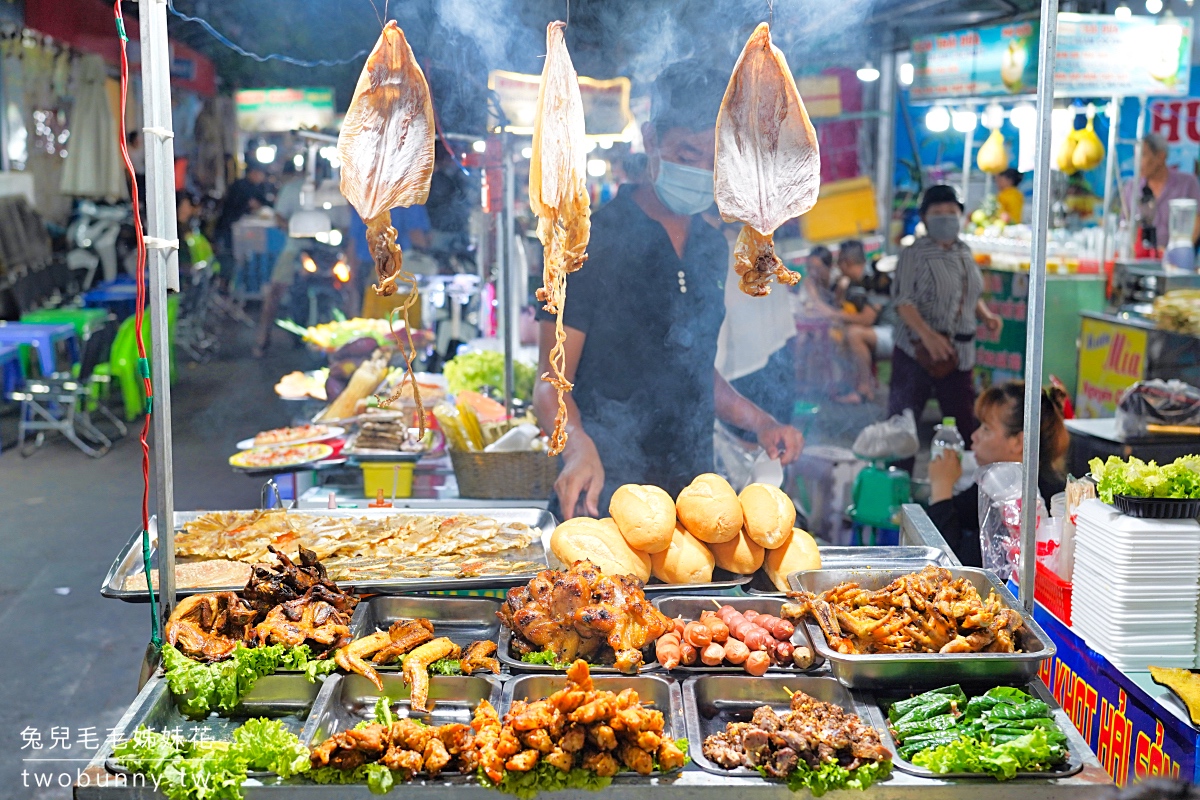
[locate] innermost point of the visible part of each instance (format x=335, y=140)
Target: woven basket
x=505, y=476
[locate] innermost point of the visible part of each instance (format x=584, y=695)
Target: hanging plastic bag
x=741, y=462
x=1157, y=402
x=892, y=439
x=1000, y=517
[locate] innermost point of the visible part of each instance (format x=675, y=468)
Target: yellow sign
x=1112, y=357
x=822, y=95
x=605, y=103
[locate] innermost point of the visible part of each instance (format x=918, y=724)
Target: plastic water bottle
x=946, y=437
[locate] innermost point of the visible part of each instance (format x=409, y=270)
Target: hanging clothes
x=94, y=167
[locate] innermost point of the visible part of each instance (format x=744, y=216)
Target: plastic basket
x=1157, y=507
x=505, y=476
x=1054, y=593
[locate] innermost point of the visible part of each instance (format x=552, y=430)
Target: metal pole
x=1110, y=171
x=968, y=146
x=884, y=140
x=1036, y=316
x=1135, y=191
x=162, y=240
x=507, y=316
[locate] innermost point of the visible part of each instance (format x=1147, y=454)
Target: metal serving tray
x=346, y=700
x=1072, y=765
x=712, y=701
x=462, y=619
x=927, y=670
x=287, y=698
x=907, y=557
x=129, y=560
x=515, y=664
x=690, y=606
x=654, y=691
x=721, y=580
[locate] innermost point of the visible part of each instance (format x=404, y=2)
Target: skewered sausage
x=712, y=655
x=697, y=635
x=757, y=664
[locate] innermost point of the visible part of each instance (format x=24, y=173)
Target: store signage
x=1177, y=121
x=266, y=110
x=1111, y=359
x=605, y=103
x=822, y=95
x=1133, y=736
x=1096, y=55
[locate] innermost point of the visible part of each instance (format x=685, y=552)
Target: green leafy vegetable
x=1031, y=752
x=472, y=371
x=544, y=777
x=830, y=776
x=1136, y=478
x=445, y=666
x=547, y=657
x=383, y=711
x=267, y=744
x=202, y=688
x=378, y=778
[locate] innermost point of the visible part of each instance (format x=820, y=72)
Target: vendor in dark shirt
x=1001, y=414
x=642, y=318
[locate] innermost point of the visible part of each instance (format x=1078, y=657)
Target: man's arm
x=781, y=441
x=582, y=473
x=939, y=346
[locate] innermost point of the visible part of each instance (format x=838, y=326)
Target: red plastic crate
x=1054, y=593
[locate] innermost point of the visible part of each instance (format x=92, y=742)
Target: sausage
x=736, y=652
x=779, y=628
x=759, y=639
x=697, y=635
x=718, y=629
x=713, y=655
x=687, y=654
x=740, y=629
x=783, y=653
x=750, y=614
x=666, y=650
x=757, y=664
x=802, y=657
x=678, y=626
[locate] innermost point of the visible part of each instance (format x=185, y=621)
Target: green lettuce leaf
x=445, y=666
x=202, y=688
x=1136, y=478
x=1031, y=752
x=472, y=371
x=544, y=778
x=547, y=657
x=831, y=776
x=267, y=744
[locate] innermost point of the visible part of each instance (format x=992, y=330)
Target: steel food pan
x=346, y=700
x=129, y=560
x=710, y=702
x=927, y=670
x=461, y=619
x=654, y=691
x=721, y=580
x=513, y=661
x=907, y=557
x=287, y=698
x=690, y=606
x=1072, y=765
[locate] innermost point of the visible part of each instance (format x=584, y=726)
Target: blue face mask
x=684, y=190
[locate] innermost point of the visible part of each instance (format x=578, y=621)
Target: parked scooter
x=323, y=283
x=94, y=235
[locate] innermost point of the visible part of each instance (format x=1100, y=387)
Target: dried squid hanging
x=386, y=150
x=768, y=167
x=558, y=196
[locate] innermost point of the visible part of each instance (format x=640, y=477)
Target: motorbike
x=323, y=283
x=99, y=235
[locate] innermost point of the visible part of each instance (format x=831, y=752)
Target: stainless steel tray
x=654, y=691
x=690, y=606
x=722, y=580
x=927, y=670
x=906, y=557
x=1072, y=765
x=462, y=619
x=515, y=664
x=288, y=698
x=129, y=560
x=712, y=701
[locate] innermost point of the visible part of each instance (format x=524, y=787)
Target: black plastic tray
x=1157, y=507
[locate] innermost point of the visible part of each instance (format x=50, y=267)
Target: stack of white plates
x=1136, y=587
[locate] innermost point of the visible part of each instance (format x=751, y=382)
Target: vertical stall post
x=162, y=261
x=1110, y=172
x=1036, y=315
x=508, y=314
x=968, y=146
x=885, y=141
x=1135, y=190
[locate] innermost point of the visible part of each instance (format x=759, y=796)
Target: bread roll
x=686, y=560
x=600, y=542
x=645, y=515
x=769, y=514
x=798, y=551
x=709, y=509
x=740, y=554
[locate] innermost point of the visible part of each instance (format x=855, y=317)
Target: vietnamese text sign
x=980, y=62
x=263, y=110
x=1105, y=55
x=1112, y=358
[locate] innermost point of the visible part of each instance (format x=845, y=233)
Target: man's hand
x=993, y=323
x=781, y=441
x=939, y=346
x=582, y=475
x=944, y=472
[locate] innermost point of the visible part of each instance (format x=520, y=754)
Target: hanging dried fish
x=768, y=166
x=386, y=150
x=558, y=196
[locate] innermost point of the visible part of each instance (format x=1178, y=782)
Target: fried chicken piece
x=436, y=757
x=403, y=636
x=537, y=740
x=509, y=744
x=351, y=749
x=478, y=657
x=457, y=738
x=486, y=742
x=530, y=716
x=312, y=619
x=603, y=706
x=647, y=740
x=416, y=667
x=410, y=734
x=628, y=697
x=406, y=761
x=601, y=762
x=560, y=758
x=573, y=738
x=523, y=761
x=636, y=759
x=602, y=736
x=670, y=757
x=352, y=657
x=637, y=719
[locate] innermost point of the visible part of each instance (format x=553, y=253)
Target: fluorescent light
x=335, y=237
x=964, y=121
x=868, y=73
x=1123, y=11
x=1154, y=6
x=479, y=145
x=993, y=116
x=907, y=73
x=526, y=152
x=264, y=153
x=606, y=144
x=327, y=206
x=937, y=119
x=597, y=167
x=1023, y=115
x=298, y=161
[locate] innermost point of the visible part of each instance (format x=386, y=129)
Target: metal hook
x=770, y=12
x=567, y=24
x=267, y=488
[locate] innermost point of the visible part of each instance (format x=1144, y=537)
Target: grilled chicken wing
x=480, y=657
x=403, y=636
x=208, y=627
x=310, y=619
x=768, y=166
x=416, y=668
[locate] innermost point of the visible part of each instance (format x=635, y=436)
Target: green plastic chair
x=123, y=362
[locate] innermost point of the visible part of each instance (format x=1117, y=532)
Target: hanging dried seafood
x=558, y=196
x=386, y=150
x=768, y=166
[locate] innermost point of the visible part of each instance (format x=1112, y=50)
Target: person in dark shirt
x=243, y=196
x=451, y=198
x=642, y=318
x=1001, y=414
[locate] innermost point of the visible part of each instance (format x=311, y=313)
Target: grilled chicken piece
x=311, y=619
x=479, y=657
x=768, y=166
x=558, y=196
x=404, y=635
x=269, y=586
x=208, y=627
x=352, y=657
x=416, y=667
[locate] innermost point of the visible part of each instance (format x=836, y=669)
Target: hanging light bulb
x=1023, y=115
x=264, y=153
x=1123, y=11
x=479, y=145
x=307, y=262
x=867, y=73
x=937, y=119
x=298, y=161
x=906, y=73
x=993, y=116
x=341, y=271
x=964, y=121
x=1154, y=6
x=597, y=167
